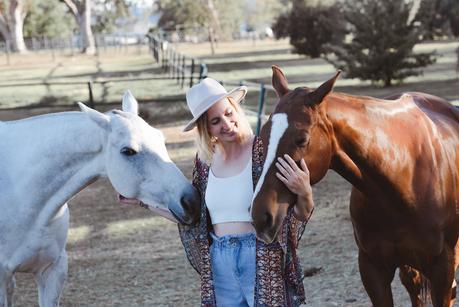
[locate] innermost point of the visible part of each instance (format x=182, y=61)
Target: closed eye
x=127, y=151
x=302, y=142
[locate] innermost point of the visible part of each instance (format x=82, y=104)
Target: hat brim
x=236, y=94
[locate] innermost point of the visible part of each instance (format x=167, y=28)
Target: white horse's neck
x=62, y=152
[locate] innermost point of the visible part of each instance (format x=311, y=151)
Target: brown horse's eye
x=301, y=142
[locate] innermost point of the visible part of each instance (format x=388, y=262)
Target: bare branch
x=73, y=7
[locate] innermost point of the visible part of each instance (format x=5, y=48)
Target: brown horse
x=402, y=157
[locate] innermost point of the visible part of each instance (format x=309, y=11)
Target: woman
x=236, y=269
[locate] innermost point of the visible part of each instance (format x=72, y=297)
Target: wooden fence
x=178, y=65
x=72, y=44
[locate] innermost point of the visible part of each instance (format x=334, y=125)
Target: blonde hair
x=204, y=141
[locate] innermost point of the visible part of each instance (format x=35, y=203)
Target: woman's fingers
x=281, y=169
x=304, y=167
x=285, y=165
x=291, y=162
x=282, y=178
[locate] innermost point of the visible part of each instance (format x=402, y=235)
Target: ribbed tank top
x=229, y=199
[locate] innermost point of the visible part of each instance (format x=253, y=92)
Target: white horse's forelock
x=279, y=124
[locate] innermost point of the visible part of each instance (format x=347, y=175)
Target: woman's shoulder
x=200, y=162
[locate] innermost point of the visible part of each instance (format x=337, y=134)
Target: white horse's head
x=138, y=165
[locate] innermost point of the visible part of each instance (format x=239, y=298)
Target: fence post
x=171, y=64
x=202, y=71
x=72, y=52
x=8, y=51
x=191, y=72
x=183, y=70
x=261, y=103
x=163, y=62
x=177, y=67
x=34, y=44
x=53, y=52
x=91, y=97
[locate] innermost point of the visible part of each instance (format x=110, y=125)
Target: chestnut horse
x=402, y=158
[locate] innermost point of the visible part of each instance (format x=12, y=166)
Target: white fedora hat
x=203, y=95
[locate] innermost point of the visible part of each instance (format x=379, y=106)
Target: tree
x=81, y=10
x=439, y=18
x=381, y=41
x=259, y=14
x=191, y=13
x=107, y=14
x=310, y=28
x=48, y=18
x=12, y=15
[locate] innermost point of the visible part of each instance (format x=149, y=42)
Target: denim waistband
x=234, y=240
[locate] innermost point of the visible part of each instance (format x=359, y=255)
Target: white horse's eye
x=127, y=151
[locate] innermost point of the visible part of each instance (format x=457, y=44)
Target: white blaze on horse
x=45, y=160
x=402, y=157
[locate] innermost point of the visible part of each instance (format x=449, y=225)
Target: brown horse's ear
x=280, y=83
x=319, y=94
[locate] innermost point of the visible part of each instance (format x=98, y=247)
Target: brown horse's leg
x=413, y=282
x=441, y=278
x=376, y=279
x=454, y=285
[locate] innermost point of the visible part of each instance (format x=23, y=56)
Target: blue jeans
x=233, y=269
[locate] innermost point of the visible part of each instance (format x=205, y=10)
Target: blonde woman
x=235, y=268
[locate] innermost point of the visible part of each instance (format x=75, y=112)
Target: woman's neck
x=228, y=151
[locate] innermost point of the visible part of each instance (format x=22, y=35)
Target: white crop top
x=229, y=199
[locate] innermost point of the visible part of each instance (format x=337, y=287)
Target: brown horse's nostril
x=268, y=220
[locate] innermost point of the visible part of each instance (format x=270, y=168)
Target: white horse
x=45, y=160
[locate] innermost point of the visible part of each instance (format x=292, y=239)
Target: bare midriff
x=230, y=228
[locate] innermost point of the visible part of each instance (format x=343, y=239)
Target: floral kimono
x=279, y=277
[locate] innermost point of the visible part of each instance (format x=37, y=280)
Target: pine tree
x=310, y=28
x=381, y=41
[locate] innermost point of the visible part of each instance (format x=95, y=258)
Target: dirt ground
x=126, y=256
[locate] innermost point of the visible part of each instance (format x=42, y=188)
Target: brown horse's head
x=297, y=127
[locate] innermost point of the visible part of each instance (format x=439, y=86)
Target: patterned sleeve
x=189, y=235
x=296, y=227
x=292, y=230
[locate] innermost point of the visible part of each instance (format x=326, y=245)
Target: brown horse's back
x=430, y=103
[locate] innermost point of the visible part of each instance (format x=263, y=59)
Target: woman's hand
x=297, y=181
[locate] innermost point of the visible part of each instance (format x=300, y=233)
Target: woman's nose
x=226, y=123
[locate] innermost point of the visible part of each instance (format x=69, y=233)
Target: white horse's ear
x=100, y=119
x=130, y=104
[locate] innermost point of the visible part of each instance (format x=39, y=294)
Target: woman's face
x=223, y=121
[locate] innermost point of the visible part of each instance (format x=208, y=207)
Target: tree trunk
x=17, y=24
x=214, y=28
x=211, y=39
x=81, y=10
x=89, y=45
x=388, y=81
x=11, y=25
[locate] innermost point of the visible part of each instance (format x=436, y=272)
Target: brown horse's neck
x=368, y=148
